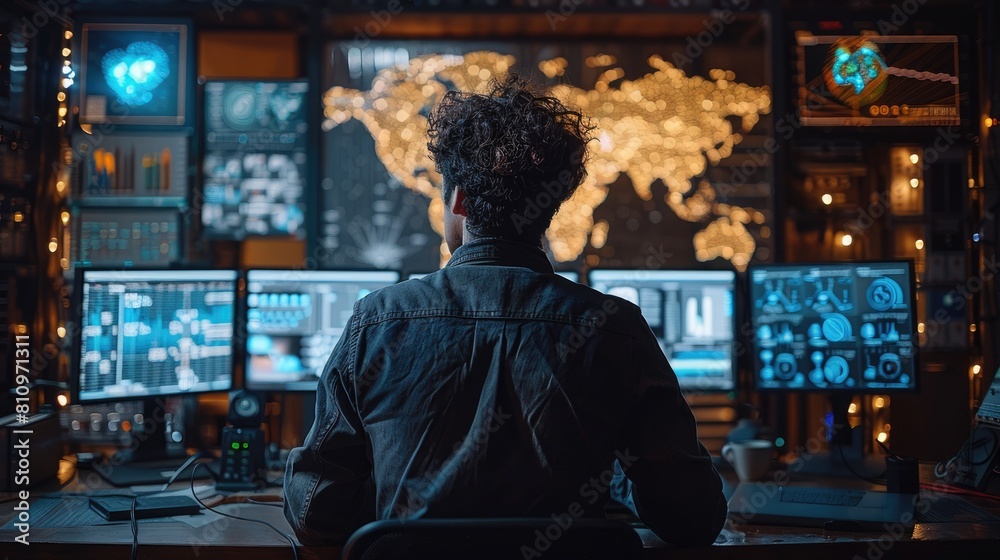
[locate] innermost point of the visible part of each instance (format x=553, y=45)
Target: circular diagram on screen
x=836, y=328
x=784, y=366
x=836, y=370
x=884, y=294
x=889, y=365
x=240, y=107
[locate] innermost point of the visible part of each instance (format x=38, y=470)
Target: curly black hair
x=516, y=156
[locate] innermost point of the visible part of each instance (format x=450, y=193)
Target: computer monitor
x=255, y=164
x=691, y=312
x=878, y=80
x=127, y=237
x=294, y=320
x=834, y=327
x=134, y=71
x=570, y=275
x=145, y=333
x=989, y=409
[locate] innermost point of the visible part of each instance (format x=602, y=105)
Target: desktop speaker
x=243, y=466
x=246, y=410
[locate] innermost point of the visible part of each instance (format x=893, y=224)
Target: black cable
x=295, y=551
x=886, y=449
x=200, y=454
x=135, y=529
x=857, y=474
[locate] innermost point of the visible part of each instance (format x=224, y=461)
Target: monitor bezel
x=243, y=320
x=751, y=343
x=77, y=332
x=734, y=377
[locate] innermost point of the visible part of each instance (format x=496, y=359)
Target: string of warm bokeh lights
x=663, y=126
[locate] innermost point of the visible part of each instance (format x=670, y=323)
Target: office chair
x=493, y=539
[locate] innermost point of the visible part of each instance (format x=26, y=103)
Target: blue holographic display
x=858, y=68
x=135, y=72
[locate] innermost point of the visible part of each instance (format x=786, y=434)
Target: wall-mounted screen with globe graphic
x=834, y=326
x=255, y=166
x=878, y=80
x=134, y=73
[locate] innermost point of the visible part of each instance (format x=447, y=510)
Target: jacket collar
x=495, y=251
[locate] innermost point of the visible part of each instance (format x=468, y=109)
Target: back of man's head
x=514, y=155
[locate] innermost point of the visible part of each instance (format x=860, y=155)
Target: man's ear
x=458, y=203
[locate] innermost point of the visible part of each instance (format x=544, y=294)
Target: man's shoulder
x=406, y=296
x=475, y=291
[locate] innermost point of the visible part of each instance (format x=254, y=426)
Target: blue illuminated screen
x=255, y=164
x=294, y=320
x=149, y=333
x=692, y=315
x=134, y=72
x=833, y=327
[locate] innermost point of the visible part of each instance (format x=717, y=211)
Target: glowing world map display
x=664, y=126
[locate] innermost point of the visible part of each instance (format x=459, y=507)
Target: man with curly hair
x=494, y=387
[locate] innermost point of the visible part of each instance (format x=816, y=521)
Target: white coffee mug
x=750, y=458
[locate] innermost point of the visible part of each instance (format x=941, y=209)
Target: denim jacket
x=495, y=388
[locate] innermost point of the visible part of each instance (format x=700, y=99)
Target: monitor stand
x=845, y=456
x=154, y=456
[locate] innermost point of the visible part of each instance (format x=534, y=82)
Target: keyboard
x=945, y=508
x=838, y=509
x=822, y=496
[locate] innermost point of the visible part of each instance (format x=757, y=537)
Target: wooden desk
x=227, y=539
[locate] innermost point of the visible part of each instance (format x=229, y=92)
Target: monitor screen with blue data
x=692, y=314
x=256, y=158
x=834, y=326
x=294, y=320
x=150, y=333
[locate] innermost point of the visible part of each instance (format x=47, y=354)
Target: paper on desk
x=206, y=517
x=67, y=511
x=73, y=510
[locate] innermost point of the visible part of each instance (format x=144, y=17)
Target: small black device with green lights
x=242, y=444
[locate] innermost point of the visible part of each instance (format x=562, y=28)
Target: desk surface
x=240, y=540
